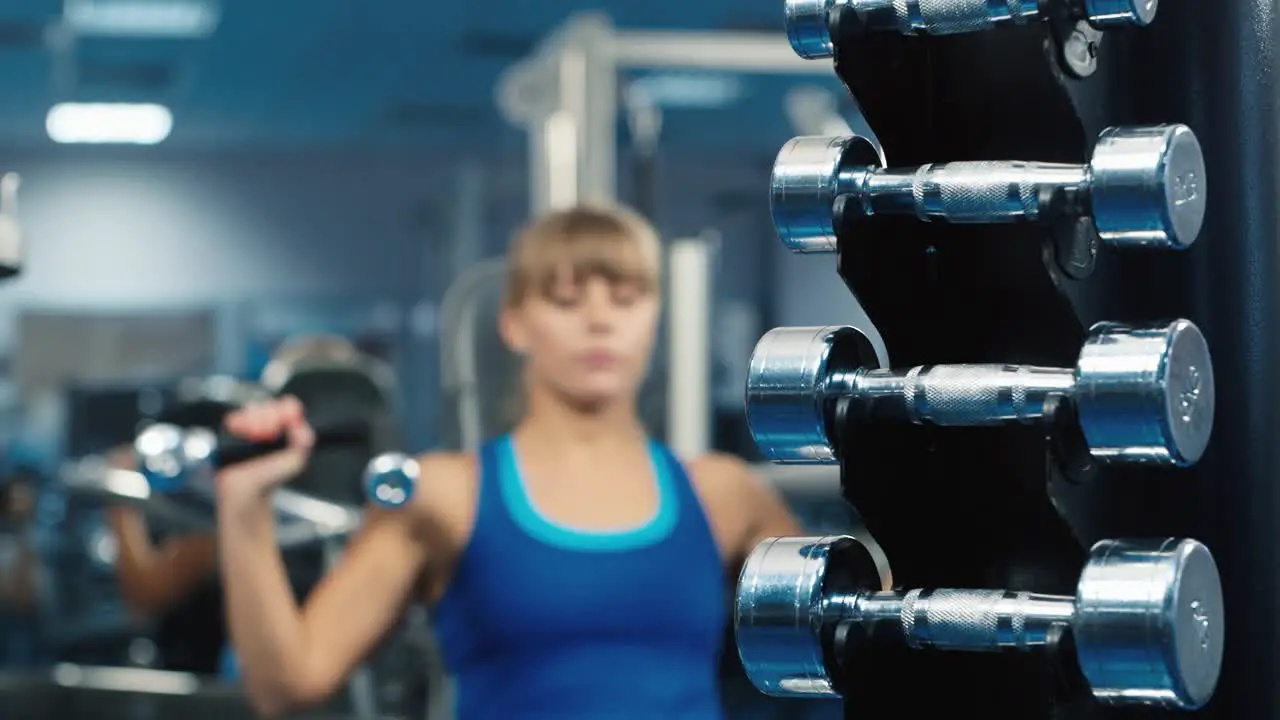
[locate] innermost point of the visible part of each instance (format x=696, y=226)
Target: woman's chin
x=597, y=398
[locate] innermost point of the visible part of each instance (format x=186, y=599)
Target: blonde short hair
x=613, y=243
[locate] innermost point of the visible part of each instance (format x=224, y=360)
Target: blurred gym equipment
x=566, y=95
x=11, y=250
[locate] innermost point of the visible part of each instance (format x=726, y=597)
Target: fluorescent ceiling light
x=120, y=123
x=142, y=18
x=689, y=90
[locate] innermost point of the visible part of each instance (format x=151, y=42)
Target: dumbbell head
x=1148, y=625
x=1148, y=186
x=788, y=398
x=805, y=183
x=808, y=28
x=390, y=479
x=780, y=606
x=1146, y=394
x=168, y=454
x=1112, y=13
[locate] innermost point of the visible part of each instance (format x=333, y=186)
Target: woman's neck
x=549, y=420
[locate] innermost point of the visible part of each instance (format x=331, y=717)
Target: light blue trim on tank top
x=540, y=527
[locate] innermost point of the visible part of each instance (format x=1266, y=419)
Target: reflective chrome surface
x=942, y=17
x=1148, y=186
x=390, y=479
x=809, y=173
x=1109, y=13
x=1147, y=619
x=962, y=620
x=777, y=614
x=807, y=28
x=1150, y=623
x=792, y=373
x=962, y=395
x=169, y=456
x=982, y=191
x=1146, y=395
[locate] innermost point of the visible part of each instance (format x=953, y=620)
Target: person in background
x=577, y=569
x=20, y=570
x=172, y=581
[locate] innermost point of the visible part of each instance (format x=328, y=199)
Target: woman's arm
x=293, y=657
x=747, y=507
x=154, y=578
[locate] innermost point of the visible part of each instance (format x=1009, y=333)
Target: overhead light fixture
x=690, y=90
x=142, y=18
x=109, y=123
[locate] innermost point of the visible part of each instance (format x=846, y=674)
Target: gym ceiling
x=355, y=73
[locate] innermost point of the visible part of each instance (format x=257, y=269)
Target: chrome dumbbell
x=809, y=23
x=1142, y=394
x=1146, y=620
x=169, y=456
x=391, y=479
x=1143, y=187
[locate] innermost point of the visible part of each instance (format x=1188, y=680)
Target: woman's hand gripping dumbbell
x=262, y=446
x=265, y=444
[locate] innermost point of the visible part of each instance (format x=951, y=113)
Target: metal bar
x=736, y=52
x=689, y=347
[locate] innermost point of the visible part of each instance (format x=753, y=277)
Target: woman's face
x=587, y=340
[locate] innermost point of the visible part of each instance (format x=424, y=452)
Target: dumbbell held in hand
x=1144, y=187
x=169, y=455
x=1143, y=395
x=1146, y=620
x=391, y=479
x=809, y=21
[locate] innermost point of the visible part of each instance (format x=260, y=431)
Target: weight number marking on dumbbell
x=809, y=21
x=1139, y=639
x=1142, y=394
x=1143, y=188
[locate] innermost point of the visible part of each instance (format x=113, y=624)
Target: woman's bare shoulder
x=447, y=486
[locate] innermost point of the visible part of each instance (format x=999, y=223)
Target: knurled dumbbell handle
x=964, y=192
x=957, y=395
x=952, y=17
x=959, y=620
x=943, y=17
x=810, y=33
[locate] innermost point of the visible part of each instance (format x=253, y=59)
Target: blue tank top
x=545, y=621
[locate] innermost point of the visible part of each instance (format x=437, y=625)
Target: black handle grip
x=168, y=455
x=232, y=450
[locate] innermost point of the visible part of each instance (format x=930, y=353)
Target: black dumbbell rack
x=1010, y=507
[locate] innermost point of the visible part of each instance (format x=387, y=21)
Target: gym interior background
x=186, y=184
x=194, y=180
